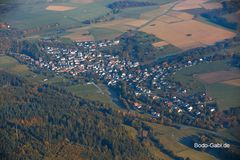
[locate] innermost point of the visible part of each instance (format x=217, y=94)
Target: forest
x=35, y=117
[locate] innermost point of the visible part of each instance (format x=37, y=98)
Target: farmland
x=217, y=78
x=182, y=31
x=171, y=138
x=168, y=20
x=69, y=14
x=59, y=8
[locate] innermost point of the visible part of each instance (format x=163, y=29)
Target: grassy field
x=225, y=95
x=104, y=33
x=10, y=64
x=170, y=138
x=91, y=92
x=32, y=15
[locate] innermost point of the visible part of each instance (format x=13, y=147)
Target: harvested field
x=219, y=76
x=137, y=23
x=234, y=82
x=160, y=44
x=210, y=6
x=60, y=8
x=189, y=4
x=187, y=34
x=181, y=15
x=120, y=25
x=82, y=1
x=169, y=19
x=183, y=6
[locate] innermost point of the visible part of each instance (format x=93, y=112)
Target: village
x=149, y=88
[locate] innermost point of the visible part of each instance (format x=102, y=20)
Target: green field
x=170, y=138
x=10, y=64
x=225, y=95
x=91, y=92
x=104, y=33
x=32, y=15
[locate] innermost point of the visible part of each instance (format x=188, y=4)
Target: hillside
x=40, y=121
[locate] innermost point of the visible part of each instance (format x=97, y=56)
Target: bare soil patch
x=234, y=82
x=219, y=76
x=59, y=8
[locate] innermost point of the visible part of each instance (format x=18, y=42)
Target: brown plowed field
x=234, y=82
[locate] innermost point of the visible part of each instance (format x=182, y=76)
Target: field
x=186, y=34
x=9, y=64
x=103, y=33
x=218, y=76
x=212, y=77
x=104, y=30
x=79, y=35
x=91, y=91
x=167, y=20
x=160, y=44
x=214, y=5
x=175, y=26
x=68, y=15
x=171, y=138
x=59, y=8
x=234, y=82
